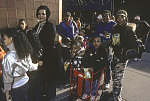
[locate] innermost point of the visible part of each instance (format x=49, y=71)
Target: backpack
x=133, y=53
x=133, y=43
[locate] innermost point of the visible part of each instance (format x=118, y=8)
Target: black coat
x=127, y=41
x=96, y=60
x=49, y=58
x=142, y=29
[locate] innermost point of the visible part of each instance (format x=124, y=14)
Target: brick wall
x=12, y=10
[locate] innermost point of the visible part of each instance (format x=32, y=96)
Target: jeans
x=94, y=87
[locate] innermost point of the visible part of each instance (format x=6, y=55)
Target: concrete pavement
x=136, y=83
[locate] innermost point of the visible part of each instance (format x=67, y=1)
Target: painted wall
x=12, y=10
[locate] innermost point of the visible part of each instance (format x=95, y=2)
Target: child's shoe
x=84, y=96
x=92, y=98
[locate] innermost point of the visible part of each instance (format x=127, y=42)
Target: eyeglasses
x=41, y=13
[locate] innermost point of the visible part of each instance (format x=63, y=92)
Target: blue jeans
x=94, y=87
x=20, y=93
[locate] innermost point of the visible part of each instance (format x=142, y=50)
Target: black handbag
x=141, y=46
x=34, y=40
x=133, y=53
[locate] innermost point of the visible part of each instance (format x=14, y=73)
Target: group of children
x=90, y=55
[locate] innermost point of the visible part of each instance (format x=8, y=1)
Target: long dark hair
x=21, y=43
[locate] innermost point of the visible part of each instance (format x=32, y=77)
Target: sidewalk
x=136, y=83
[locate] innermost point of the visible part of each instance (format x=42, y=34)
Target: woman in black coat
x=46, y=32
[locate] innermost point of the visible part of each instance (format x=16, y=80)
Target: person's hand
x=68, y=44
x=72, y=55
x=91, y=69
x=106, y=33
x=40, y=63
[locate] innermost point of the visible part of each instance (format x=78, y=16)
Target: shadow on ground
x=141, y=65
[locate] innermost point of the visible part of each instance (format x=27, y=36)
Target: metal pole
x=112, y=7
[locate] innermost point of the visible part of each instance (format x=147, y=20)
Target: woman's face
x=42, y=15
x=7, y=41
x=23, y=25
x=97, y=42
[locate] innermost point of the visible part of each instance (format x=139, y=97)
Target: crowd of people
x=32, y=58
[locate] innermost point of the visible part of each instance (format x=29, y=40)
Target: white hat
x=137, y=18
x=99, y=17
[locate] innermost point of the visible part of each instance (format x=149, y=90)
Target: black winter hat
x=122, y=12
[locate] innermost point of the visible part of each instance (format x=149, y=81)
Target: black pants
x=48, y=84
x=147, y=45
x=34, y=86
x=20, y=93
x=108, y=72
x=2, y=94
x=66, y=53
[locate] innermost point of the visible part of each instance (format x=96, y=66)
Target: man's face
x=106, y=17
x=121, y=19
x=97, y=42
x=67, y=18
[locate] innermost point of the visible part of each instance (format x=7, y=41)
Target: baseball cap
x=99, y=17
x=137, y=18
x=68, y=14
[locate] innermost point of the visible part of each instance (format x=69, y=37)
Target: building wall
x=12, y=10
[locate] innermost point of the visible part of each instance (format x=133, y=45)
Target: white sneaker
x=107, y=86
x=117, y=98
x=78, y=100
x=92, y=98
x=135, y=59
x=84, y=96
